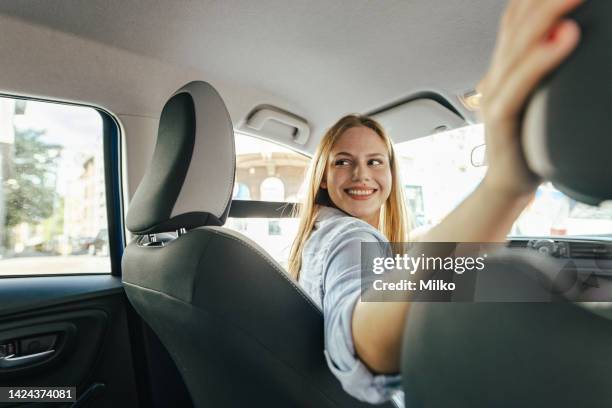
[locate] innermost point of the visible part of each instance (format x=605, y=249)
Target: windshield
x=438, y=174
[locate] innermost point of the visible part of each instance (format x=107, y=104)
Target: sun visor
x=566, y=131
x=417, y=118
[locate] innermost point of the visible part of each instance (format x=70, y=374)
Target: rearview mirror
x=479, y=156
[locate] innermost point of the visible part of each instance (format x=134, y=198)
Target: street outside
x=50, y=265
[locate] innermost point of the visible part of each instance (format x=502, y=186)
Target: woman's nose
x=361, y=172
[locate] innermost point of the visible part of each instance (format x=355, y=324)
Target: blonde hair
x=393, y=222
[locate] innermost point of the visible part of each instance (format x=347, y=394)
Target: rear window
x=52, y=197
x=266, y=171
x=438, y=174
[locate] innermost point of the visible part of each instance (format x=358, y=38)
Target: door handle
x=13, y=361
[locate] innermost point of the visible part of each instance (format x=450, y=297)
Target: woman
x=354, y=195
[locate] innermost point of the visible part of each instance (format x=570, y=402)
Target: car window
x=52, y=197
x=438, y=174
x=266, y=171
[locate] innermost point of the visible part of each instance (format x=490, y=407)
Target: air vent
x=591, y=250
x=517, y=244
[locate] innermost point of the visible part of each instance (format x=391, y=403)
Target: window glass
x=52, y=196
x=266, y=171
x=438, y=174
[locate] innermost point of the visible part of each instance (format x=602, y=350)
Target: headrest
x=190, y=179
x=566, y=134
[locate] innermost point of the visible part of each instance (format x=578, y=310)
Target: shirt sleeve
x=342, y=289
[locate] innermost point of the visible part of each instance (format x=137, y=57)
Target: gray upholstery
x=195, y=142
x=566, y=134
x=543, y=351
x=240, y=330
x=506, y=355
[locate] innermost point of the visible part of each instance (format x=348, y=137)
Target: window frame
x=113, y=176
x=112, y=153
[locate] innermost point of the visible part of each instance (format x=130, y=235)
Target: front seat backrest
x=239, y=329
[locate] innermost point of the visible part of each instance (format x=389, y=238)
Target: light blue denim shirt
x=330, y=274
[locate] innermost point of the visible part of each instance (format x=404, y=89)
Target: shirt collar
x=326, y=213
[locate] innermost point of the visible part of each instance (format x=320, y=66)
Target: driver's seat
x=240, y=330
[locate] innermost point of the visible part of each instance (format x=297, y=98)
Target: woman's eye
x=341, y=162
x=375, y=162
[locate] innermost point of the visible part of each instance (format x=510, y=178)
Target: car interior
x=152, y=157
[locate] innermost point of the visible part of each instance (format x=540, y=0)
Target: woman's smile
x=360, y=193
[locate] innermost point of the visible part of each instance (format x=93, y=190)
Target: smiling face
x=358, y=174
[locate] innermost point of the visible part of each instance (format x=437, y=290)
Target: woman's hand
x=534, y=38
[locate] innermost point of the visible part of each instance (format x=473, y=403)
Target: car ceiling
x=317, y=59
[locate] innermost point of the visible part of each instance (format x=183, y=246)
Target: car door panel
x=82, y=321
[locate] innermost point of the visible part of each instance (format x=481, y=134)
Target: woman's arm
x=534, y=38
x=486, y=215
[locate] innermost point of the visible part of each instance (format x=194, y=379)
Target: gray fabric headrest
x=190, y=179
x=567, y=123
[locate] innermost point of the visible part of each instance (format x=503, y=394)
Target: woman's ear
x=324, y=185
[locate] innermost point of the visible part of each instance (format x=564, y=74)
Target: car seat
x=240, y=330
